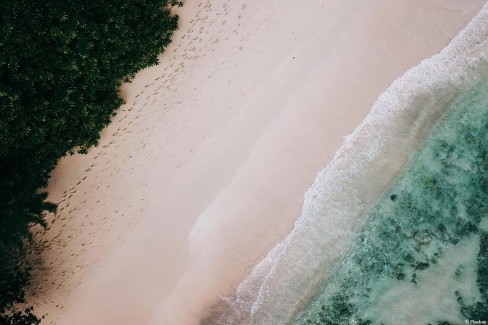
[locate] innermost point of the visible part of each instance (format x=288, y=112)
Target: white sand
x=205, y=167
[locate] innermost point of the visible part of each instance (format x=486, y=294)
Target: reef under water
x=421, y=256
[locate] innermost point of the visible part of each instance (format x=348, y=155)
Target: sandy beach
x=205, y=167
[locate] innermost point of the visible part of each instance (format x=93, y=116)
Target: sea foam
x=345, y=192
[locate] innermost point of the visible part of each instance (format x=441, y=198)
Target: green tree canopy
x=61, y=63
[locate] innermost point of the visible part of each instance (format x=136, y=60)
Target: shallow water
x=415, y=260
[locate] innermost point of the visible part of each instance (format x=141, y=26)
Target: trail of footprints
x=75, y=226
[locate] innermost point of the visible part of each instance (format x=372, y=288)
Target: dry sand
x=205, y=167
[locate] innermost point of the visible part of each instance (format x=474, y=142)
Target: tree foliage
x=61, y=63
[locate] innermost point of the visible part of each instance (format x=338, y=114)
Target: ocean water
x=339, y=260
x=421, y=256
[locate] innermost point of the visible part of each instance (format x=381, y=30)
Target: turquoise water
x=421, y=256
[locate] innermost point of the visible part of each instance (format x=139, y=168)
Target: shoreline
x=333, y=210
x=214, y=128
